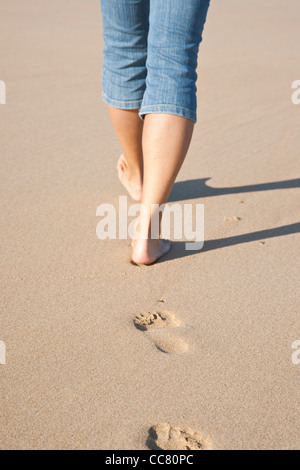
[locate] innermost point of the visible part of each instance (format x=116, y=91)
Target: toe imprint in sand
x=232, y=219
x=148, y=321
x=165, y=437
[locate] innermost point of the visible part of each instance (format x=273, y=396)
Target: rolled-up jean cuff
x=168, y=109
x=121, y=104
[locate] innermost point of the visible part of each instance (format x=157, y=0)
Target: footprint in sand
x=149, y=321
x=165, y=437
x=164, y=341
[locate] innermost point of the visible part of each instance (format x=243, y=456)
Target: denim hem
x=122, y=104
x=168, y=109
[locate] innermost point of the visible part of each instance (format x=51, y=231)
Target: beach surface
x=79, y=374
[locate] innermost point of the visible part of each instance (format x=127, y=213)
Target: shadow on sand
x=178, y=248
x=194, y=189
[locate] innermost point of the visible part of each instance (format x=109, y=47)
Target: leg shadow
x=194, y=189
x=178, y=248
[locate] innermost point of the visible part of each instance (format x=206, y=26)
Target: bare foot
x=148, y=251
x=131, y=180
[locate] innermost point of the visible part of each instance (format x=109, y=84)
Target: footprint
x=169, y=344
x=165, y=437
x=164, y=341
x=149, y=321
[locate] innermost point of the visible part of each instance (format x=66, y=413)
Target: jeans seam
x=121, y=102
x=167, y=105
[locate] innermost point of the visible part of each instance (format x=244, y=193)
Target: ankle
x=133, y=163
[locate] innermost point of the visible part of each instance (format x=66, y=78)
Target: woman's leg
x=166, y=139
x=128, y=127
x=125, y=30
x=169, y=108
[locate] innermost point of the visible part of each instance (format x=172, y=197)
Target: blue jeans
x=151, y=53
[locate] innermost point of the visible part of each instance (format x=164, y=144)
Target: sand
x=79, y=374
